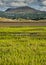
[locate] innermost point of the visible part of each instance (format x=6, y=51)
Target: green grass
x=23, y=46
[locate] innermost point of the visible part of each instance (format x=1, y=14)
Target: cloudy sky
x=37, y=4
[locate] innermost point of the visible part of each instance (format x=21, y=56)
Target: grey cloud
x=37, y=4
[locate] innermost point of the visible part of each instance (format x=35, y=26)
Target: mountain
x=24, y=9
x=24, y=12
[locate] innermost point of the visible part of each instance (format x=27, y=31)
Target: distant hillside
x=24, y=12
x=24, y=9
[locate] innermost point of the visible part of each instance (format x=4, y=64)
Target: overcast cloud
x=37, y=4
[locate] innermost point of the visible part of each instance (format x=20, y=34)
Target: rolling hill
x=24, y=9
x=24, y=12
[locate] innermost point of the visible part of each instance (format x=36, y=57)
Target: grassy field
x=22, y=45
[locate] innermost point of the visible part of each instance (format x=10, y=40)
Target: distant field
x=22, y=45
x=20, y=20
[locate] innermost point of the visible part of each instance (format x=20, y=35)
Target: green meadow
x=23, y=45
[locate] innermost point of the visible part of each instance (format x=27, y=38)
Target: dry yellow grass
x=5, y=19
x=19, y=20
